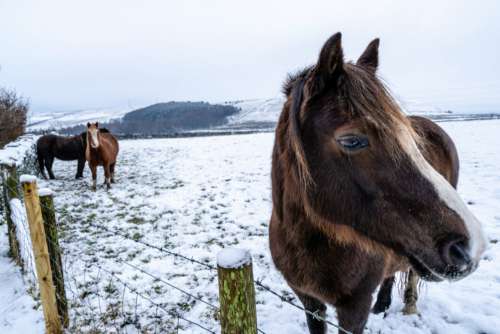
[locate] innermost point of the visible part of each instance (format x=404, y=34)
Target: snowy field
x=195, y=196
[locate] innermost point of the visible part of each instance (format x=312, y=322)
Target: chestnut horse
x=102, y=150
x=361, y=191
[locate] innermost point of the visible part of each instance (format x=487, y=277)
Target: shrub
x=13, y=113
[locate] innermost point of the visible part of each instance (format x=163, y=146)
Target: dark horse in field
x=49, y=147
x=361, y=191
x=101, y=150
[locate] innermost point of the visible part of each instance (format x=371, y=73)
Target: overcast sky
x=84, y=54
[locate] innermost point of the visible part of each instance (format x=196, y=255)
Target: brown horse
x=102, y=150
x=359, y=193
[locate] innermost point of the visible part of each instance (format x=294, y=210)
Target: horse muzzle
x=453, y=262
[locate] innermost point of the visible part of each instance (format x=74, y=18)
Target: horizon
x=70, y=56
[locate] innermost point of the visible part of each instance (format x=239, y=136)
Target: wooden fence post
x=10, y=191
x=41, y=255
x=49, y=222
x=236, y=292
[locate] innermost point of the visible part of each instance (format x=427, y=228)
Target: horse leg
x=79, y=170
x=315, y=306
x=107, y=176
x=41, y=166
x=93, y=169
x=112, y=170
x=353, y=312
x=49, y=161
x=411, y=294
x=384, y=296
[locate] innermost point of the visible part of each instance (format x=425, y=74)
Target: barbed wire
x=134, y=290
x=169, y=284
x=289, y=301
x=101, y=268
x=159, y=248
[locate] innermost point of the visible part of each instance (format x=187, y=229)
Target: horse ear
x=369, y=58
x=96, y=124
x=331, y=57
x=88, y=124
x=331, y=61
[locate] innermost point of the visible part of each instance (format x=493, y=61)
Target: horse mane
x=292, y=78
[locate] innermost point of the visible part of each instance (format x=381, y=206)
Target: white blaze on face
x=447, y=193
x=94, y=141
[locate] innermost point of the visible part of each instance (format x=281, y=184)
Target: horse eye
x=353, y=142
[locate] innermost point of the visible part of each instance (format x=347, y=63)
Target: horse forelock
x=367, y=99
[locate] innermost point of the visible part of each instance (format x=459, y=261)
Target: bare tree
x=13, y=113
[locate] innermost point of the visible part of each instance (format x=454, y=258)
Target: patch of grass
x=136, y=220
x=110, y=288
x=158, y=289
x=137, y=236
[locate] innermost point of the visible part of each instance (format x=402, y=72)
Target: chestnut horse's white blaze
x=94, y=139
x=448, y=194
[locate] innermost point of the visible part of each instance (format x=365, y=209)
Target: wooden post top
x=26, y=178
x=233, y=258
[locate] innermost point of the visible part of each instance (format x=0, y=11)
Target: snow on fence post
x=10, y=191
x=50, y=226
x=236, y=292
x=41, y=253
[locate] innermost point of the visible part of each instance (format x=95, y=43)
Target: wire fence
x=27, y=259
x=111, y=312
x=285, y=299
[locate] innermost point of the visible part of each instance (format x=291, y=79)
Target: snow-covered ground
x=195, y=196
x=19, y=313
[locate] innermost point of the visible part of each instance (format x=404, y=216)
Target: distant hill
x=173, y=116
x=166, y=118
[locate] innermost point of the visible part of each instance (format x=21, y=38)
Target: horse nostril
x=455, y=254
x=458, y=254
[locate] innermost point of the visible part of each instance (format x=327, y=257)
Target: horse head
x=93, y=135
x=359, y=163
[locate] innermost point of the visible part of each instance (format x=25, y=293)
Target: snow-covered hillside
x=64, y=119
x=257, y=110
x=194, y=196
